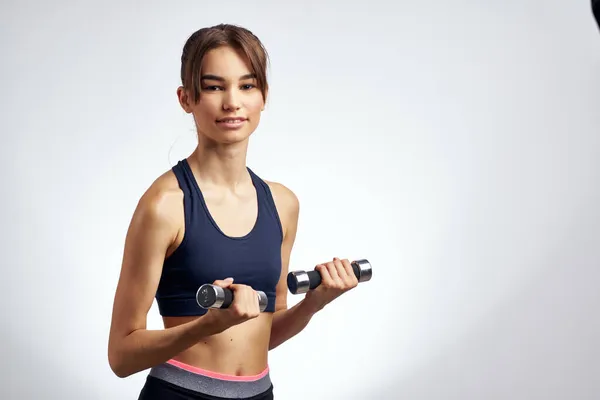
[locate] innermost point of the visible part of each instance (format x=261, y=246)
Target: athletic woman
x=211, y=219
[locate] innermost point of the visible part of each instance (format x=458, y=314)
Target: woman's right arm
x=131, y=347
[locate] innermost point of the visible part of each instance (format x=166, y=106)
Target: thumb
x=223, y=282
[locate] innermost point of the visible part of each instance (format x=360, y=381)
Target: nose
x=231, y=100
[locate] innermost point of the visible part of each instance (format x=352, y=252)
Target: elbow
x=117, y=366
x=119, y=373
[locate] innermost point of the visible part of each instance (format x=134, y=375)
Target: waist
x=182, y=376
x=209, y=373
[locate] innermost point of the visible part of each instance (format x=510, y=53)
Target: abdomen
x=241, y=350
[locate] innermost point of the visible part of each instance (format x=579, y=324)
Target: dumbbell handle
x=302, y=281
x=213, y=296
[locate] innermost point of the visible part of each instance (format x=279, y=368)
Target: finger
x=253, y=299
x=247, y=297
x=341, y=273
x=241, y=290
x=254, y=302
x=337, y=281
x=347, y=267
x=350, y=272
x=242, y=300
x=340, y=269
x=240, y=295
x=326, y=278
x=223, y=282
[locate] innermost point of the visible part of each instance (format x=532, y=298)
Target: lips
x=231, y=120
x=231, y=123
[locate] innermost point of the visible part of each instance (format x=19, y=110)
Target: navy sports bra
x=207, y=254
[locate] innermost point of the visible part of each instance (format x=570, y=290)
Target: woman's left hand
x=337, y=277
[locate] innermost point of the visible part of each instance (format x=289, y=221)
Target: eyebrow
x=221, y=79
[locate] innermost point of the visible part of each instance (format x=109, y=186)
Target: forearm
x=288, y=323
x=143, y=348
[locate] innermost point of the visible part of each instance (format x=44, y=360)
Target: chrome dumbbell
x=213, y=296
x=302, y=281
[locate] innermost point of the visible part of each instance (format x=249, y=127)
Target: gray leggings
x=174, y=380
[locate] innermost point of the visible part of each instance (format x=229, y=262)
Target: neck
x=220, y=164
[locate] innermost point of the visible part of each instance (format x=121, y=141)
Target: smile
x=228, y=120
x=231, y=123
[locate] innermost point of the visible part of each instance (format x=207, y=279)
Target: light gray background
x=453, y=143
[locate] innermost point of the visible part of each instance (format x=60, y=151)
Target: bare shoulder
x=161, y=207
x=287, y=204
x=285, y=199
x=162, y=196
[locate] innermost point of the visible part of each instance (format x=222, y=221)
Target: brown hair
x=206, y=39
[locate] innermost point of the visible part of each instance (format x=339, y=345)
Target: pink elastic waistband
x=217, y=375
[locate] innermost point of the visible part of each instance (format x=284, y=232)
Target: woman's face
x=230, y=103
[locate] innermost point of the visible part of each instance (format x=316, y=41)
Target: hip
x=177, y=380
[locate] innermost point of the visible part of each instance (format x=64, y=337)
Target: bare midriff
x=241, y=350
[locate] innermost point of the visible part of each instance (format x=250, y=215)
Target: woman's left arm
x=337, y=276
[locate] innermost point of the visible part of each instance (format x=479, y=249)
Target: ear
x=184, y=99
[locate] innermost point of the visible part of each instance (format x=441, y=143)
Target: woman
x=211, y=219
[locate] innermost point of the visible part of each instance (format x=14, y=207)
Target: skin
x=234, y=341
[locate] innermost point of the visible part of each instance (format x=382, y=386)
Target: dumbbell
x=213, y=296
x=302, y=281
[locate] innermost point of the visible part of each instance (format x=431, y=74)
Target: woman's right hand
x=245, y=306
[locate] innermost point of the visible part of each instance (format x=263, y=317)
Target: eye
x=212, y=88
x=248, y=86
